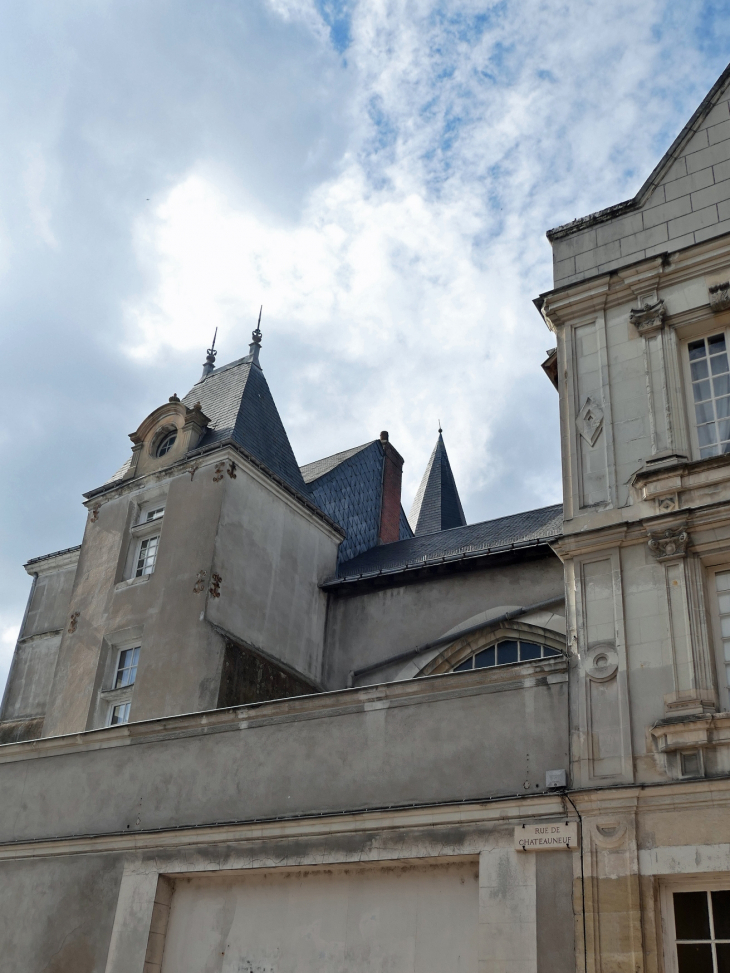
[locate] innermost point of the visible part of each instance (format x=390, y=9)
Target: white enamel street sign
x=554, y=836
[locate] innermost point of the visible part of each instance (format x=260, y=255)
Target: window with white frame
x=153, y=514
x=722, y=587
x=710, y=378
x=505, y=653
x=701, y=931
x=119, y=714
x=146, y=556
x=126, y=667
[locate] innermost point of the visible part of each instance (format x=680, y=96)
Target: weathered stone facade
x=561, y=675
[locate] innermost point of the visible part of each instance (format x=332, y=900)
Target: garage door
x=406, y=919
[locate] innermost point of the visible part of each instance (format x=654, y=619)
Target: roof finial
x=255, y=347
x=210, y=358
x=440, y=429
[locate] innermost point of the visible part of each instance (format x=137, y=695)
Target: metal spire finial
x=209, y=365
x=440, y=429
x=255, y=347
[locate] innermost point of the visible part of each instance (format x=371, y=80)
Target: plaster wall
x=404, y=918
x=443, y=738
x=271, y=555
x=373, y=625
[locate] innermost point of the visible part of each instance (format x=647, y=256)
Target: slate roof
x=240, y=406
x=312, y=471
x=437, y=505
x=533, y=527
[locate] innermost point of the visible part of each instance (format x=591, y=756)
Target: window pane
x=120, y=714
x=726, y=649
x=708, y=451
x=716, y=343
x=722, y=580
x=704, y=413
x=699, y=370
x=696, y=349
x=723, y=957
x=706, y=434
x=484, y=658
x=721, y=385
x=529, y=650
x=466, y=664
x=690, y=915
x=694, y=959
x=701, y=391
x=725, y=627
x=723, y=408
x=548, y=651
x=724, y=601
x=718, y=364
x=721, y=913
x=506, y=653
x=723, y=428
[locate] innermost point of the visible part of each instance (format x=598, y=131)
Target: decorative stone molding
x=649, y=318
x=720, y=297
x=589, y=421
x=601, y=662
x=668, y=543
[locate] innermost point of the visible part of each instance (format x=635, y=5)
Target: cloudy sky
x=379, y=175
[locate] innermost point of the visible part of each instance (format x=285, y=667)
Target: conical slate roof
x=437, y=505
x=239, y=403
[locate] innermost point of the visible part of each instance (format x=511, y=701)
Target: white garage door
x=407, y=919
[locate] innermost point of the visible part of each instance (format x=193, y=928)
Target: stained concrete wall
x=450, y=737
x=371, y=625
x=271, y=555
x=268, y=553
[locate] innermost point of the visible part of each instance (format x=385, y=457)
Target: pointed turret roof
x=241, y=407
x=437, y=505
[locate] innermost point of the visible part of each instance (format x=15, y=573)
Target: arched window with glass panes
x=506, y=652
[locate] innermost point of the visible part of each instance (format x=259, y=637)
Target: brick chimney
x=390, y=501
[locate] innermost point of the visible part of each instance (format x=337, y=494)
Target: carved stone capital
x=668, y=543
x=649, y=318
x=720, y=296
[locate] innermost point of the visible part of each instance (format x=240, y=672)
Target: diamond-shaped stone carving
x=590, y=420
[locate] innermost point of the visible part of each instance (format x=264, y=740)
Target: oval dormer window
x=167, y=443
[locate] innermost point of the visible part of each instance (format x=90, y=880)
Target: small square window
x=127, y=667
x=120, y=714
x=146, y=556
x=154, y=514
x=691, y=763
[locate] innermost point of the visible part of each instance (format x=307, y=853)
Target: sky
x=379, y=175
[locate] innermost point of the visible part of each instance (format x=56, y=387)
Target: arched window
x=167, y=443
x=506, y=653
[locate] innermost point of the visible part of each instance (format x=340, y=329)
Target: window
x=127, y=667
x=146, y=556
x=702, y=931
x=710, y=374
x=722, y=586
x=154, y=514
x=167, y=443
x=505, y=653
x=120, y=714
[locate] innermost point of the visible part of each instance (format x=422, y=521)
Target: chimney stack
x=390, y=499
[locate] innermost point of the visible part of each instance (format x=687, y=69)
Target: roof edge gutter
x=445, y=639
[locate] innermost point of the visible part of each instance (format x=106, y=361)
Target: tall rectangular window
x=702, y=931
x=127, y=667
x=708, y=364
x=120, y=714
x=722, y=585
x=146, y=556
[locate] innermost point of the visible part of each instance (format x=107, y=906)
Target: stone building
x=260, y=720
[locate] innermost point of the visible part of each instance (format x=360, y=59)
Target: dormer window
x=167, y=443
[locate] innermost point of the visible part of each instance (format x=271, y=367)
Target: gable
x=685, y=200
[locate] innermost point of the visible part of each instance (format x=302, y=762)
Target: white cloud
x=473, y=129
